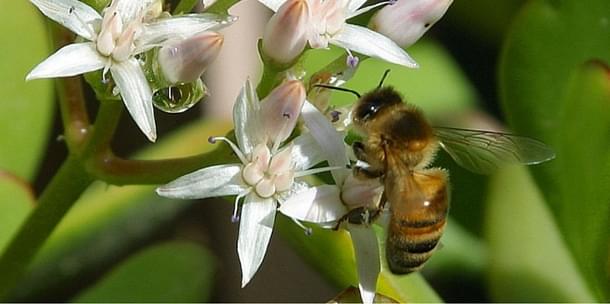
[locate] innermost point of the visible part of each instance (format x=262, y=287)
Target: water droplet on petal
x=179, y=98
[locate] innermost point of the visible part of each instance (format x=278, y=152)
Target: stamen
x=351, y=61
x=235, y=216
x=308, y=231
x=335, y=115
x=316, y=171
x=234, y=147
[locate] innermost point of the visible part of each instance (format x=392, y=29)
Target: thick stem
x=71, y=100
x=117, y=171
x=61, y=193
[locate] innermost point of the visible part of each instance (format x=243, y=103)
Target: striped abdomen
x=417, y=221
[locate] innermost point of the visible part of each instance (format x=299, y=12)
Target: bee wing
x=484, y=151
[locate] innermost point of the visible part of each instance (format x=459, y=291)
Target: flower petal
x=72, y=14
x=305, y=152
x=329, y=140
x=180, y=27
x=274, y=5
x=370, y=43
x=353, y=6
x=255, y=227
x=212, y=181
x=366, y=250
x=137, y=95
x=130, y=10
x=73, y=59
x=245, y=118
x=320, y=204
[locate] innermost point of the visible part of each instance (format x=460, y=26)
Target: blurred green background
x=538, y=68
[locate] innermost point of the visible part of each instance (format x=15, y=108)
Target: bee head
x=373, y=103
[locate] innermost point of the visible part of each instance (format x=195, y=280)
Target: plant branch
x=53, y=204
x=71, y=100
x=118, y=171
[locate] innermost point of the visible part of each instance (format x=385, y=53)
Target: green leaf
x=107, y=222
x=548, y=94
x=331, y=253
x=26, y=109
x=531, y=262
x=170, y=272
x=16, y=201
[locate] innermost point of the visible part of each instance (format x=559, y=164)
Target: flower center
x=269, y=174
x=116, y=40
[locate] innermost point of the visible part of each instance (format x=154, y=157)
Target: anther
x=334, y=116
x=212, y=139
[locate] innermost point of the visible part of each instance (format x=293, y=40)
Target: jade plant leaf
x=26, y=108
x=170, y=272
x=16, y=201
x=555, y=87
x=531, y=261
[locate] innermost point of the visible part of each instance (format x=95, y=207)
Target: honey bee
x=398, y=146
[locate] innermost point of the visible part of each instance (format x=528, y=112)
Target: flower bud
x=187, y=59
x=357, y=193
x=280, y=110
x=286, y=32
x=407, y=20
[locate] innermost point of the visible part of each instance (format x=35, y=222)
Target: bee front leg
x=364, y=172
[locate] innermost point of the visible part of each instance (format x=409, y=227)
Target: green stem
x=71, y=100
x=221, y=6
x=61, y=193
x=269, y=80
x=118, y=171
x=184, y=7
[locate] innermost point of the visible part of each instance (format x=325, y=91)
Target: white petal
x=245, y=118
x=181, y=27
x=72, y=14
x=329, y=140
x=132, y=9
x=137, y=95
x=274, y=5
x=212, y=181
x=353, y=6
x=366, y=250
x=370, y=43
x=320, y=204
x=255, y=227
x=73, y=59
x=305, y=152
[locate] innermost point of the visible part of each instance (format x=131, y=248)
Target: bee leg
x=366, y=173
x=360, y=171
x=358, y=148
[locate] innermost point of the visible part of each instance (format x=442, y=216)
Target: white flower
x=327, y=25
x=407, y=20
x=113, y=39
x=334, y=205
x=267, y=172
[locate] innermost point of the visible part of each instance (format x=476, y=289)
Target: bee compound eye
x=367, y=111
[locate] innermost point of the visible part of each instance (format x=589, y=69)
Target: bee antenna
x=338, y=89
x=385, y=74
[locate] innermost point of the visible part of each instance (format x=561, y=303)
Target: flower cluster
x=269, y=176
x=116, y=41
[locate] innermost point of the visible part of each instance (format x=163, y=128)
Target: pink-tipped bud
x=280, y=110
x=357, y=193
x=286, y=32
x=407, y=20
x=187, y=59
